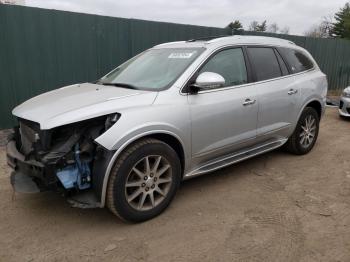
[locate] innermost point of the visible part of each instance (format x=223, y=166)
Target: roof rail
x=206, y=38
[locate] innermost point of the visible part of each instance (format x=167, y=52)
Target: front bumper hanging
x=26, y=176
x=31, y=176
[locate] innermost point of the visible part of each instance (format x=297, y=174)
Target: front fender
x=135, y=124
x=120, y=134
x=167, y=118
x=120, y=149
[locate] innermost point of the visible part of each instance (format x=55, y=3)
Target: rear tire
x=143, y=181
x=305, y=134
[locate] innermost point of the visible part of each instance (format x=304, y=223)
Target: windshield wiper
x=118, y=85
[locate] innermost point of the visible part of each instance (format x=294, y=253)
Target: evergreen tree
x=341, y=28
x=261, y=27
x=235, y=26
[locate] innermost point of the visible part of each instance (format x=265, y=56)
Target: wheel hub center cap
x=149, y=182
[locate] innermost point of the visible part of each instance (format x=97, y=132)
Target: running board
x=235, y=158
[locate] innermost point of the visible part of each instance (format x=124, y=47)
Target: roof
x=229, y=40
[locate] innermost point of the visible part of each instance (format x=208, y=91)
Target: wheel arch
x=314, y=103
x=167, y=137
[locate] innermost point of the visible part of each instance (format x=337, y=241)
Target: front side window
x=155, y=69
x=264, y=62
x=297, y=61
x=230, y=64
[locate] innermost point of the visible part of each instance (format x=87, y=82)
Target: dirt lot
x=276, y=207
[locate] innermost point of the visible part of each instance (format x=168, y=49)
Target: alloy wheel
x=308, y=131
x=148, y=182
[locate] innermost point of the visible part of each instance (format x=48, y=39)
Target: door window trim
x=274, y=52
x=277, y=52
x=184, y=89
x=194, y=75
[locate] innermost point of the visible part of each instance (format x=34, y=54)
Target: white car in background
x=344, y=105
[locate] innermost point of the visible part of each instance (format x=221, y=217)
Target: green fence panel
x=42, y=49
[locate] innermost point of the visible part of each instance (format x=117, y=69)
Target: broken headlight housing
x=111, y=120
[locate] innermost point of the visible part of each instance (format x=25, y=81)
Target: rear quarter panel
x=313, y=87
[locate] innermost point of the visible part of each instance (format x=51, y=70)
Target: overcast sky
x=298, y=15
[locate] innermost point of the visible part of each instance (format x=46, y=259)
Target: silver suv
x=173, y=112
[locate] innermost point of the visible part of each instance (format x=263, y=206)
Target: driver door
x=224, y=119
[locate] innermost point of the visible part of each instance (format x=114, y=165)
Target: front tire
x=143, y=181
x=305, y=134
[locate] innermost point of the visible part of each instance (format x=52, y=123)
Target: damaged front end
x=64, y=159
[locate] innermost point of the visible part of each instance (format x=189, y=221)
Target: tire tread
x=113, y=175
x=292, y=144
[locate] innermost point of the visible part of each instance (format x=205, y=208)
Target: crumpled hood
x=80, y=102
x=347, y=90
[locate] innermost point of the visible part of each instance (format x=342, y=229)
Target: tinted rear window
x=264, y=62
x=298, y=62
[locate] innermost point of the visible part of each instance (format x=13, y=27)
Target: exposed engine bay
x=64, y=159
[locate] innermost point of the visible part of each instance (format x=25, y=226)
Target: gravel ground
x=275, y=207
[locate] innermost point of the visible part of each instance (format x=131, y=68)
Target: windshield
x=155, y=69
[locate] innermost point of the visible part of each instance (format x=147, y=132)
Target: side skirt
x=235, y=157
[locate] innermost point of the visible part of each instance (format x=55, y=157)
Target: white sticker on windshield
x=183, y=55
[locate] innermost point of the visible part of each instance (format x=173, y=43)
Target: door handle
x=292, y=92
x=248, y=102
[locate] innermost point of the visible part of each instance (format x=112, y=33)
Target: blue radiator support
x=77, y=175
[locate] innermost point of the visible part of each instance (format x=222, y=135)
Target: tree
x=262, y=27
x=284, y=30
x=315, y=31
x=255, y=26
x=235, y=26
x=273, y=28
x=341, y=27
x=323, y=30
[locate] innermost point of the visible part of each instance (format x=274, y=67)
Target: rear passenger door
x=276, y=92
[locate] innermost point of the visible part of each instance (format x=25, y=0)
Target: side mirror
x=207, y=81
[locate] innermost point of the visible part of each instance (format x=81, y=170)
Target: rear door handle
x=248, y=102
x=292, y=92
